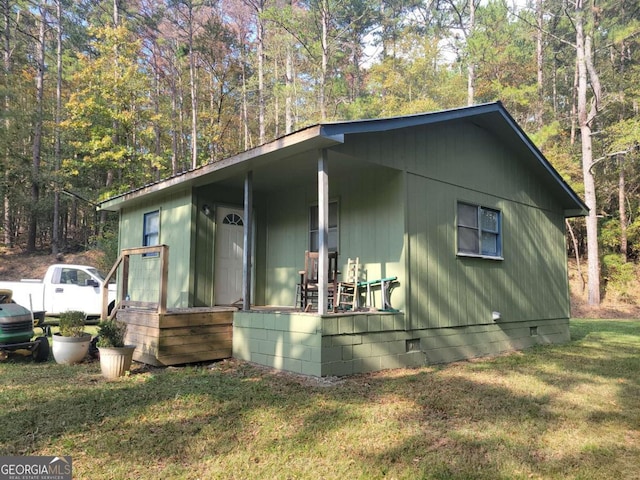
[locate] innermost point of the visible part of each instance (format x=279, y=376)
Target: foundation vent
x=413, y=345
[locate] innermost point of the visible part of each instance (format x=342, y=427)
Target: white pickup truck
x=64, y=287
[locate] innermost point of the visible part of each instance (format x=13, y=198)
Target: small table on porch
x=385, y=292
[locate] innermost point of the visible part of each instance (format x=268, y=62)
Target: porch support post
x=323, y=231
x=247, y=241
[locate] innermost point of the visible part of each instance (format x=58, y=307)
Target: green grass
x=553, y=412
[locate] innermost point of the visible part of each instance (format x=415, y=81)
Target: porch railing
x=122, y=263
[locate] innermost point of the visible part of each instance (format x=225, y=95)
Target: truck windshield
x=96, y=274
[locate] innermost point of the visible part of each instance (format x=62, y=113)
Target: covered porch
x=286, y=338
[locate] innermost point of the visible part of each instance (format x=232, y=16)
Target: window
x=233, y=219
x=73, y=276
x=151, y=230
x=479, y=231
x=314, y=242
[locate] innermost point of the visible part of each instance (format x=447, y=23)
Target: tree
x=6, y=57
x=109, y=115
x=55, y=231
x=37, y=128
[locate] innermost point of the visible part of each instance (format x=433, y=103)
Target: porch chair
x=348, y=291
x=308, y=286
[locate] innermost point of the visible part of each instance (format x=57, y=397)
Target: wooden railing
x=123, y=261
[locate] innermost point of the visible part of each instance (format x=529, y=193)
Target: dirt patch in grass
x=16, y=265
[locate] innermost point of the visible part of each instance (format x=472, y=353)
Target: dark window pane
x=467, y=215
x=151, y=234
x=314, y=242
x=313, y=217
x=468, y=240
x=333, y=215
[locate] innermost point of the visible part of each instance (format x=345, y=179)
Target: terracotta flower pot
x=115, y=361
x=70, y=350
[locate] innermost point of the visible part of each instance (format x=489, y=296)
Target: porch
x=285, y=338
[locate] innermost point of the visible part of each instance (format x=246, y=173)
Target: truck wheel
x=41, y=352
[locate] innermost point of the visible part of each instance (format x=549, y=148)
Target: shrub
x=111, y=334
x=72, y=323
x=618, y=275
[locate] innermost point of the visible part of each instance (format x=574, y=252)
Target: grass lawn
x=553, y=412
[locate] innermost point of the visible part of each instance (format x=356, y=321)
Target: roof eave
x=329, y=134
x=307, y=139
x=579, y=209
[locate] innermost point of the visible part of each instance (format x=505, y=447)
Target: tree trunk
x=576, y=251
x=288, y=105
x=276, y=103
x=156, y=108
x=471, y=68
x=174, y=128
x=37, y=136
x=586, y=114
x=622, y=210
x=261, y=99
x=55, y=229
x=245, y=108
x=6, y=219
x=325, y=60
x=182, y=144
x=574, y=106
x=194, y=94
x=540, y=63
x=116, y=123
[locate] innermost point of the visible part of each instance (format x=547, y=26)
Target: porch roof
x=300, y=145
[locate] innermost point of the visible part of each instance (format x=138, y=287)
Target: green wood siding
x=204, y=256
x=285, y=234
x=458, y=153
x=176, y=214
x=448, y=290
x=460, y=161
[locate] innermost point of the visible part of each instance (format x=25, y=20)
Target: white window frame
x=481, y=232
x=148, y=235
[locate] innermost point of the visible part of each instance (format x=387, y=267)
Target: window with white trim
x=479, y=231
x=314, y=241
x=151, y=230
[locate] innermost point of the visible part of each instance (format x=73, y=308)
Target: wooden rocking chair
x=308, y=286
x=348, y=289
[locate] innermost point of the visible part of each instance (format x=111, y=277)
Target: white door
x=228, y=255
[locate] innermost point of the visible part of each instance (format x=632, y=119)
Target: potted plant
x=115, y=356
x=71, y=343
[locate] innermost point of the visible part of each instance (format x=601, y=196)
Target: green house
x=458, y=207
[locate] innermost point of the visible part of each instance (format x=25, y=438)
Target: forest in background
x=101, y=96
